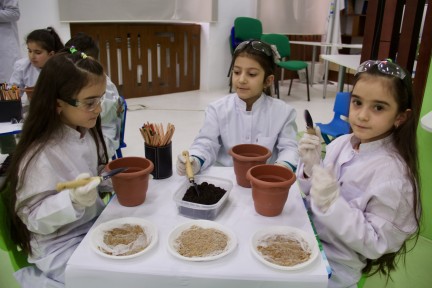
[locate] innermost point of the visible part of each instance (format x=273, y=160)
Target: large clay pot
x=131, y=185
x=246, y=156
x=270, y=186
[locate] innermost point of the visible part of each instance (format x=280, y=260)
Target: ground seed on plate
x=201, y=242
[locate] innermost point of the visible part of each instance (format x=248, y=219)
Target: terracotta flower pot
x=131, y=185
x=246, y=156
x=270, y=186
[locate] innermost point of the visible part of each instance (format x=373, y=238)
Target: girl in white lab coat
x=61, y=140
x=112, y=104
x=365, y=195
x=247, y=116
x=41, y=45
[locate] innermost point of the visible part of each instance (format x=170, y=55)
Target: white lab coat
x=373, y=215
x=271, y=123
x=9, y=42
x=111, y=121
x=57, y=225
x=24, y=75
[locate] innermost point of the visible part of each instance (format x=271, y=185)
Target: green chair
x=246, y=28
x=283, y=46
x=17, y=257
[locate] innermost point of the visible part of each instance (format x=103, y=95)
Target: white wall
x=215, y=52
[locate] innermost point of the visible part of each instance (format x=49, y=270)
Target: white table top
x=8, y=128
x=349, y=61
x=158, y=268
x=323, y=44
x=426, y=122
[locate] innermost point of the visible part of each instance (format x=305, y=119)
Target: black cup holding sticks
x=161, y=156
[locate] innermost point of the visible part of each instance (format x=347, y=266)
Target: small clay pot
x=246, y=156
x=131, y=185
x=270, y=186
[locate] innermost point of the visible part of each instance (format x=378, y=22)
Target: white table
x=6, y=128
x=344, y=61
x=322, y=44
x=158, y=268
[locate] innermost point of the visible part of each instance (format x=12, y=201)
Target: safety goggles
x=384, y=66
x=88, y=105
x=256, y=45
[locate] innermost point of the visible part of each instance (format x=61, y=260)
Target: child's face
x=373, y=110
x=248, y=79
x=37, y=55
x=80, y=116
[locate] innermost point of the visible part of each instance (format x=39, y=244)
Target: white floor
x=186, y=112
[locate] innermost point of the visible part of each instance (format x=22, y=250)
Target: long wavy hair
x=63, y=77
x=405, y=141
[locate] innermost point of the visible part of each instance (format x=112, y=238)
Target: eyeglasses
x=88, y=105
x=384, y=66
x=256, y=45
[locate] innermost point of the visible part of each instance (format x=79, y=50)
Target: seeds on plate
x=201, y=242
x=124, y=240
x=284, y=250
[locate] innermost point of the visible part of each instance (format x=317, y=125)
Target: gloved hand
x=181, y=165
x=85, y=195
x=325, y=188
x=310, y=151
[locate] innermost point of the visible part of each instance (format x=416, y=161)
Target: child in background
x=365, y=195
x=61, y=140
x=41, y=45
x=247, y=116
x=112, y=104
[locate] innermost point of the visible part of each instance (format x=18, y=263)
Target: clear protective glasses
x=384, y=66
x=87, y=105
x=256, y=45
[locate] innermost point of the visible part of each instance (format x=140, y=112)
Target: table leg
x=313, y=65
x=325, y=78
x=341, y=78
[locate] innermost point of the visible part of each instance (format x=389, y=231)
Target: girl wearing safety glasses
x=61, y=140
x=365, y=195
x=248, y=116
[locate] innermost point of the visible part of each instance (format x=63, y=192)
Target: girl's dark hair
x=63, y=77
x=47, y=38
x=266, y=62
x=85, y=43
x=405, y=141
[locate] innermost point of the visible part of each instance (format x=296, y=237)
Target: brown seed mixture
x=125, y=235
x=283, y=250
x=201, y=242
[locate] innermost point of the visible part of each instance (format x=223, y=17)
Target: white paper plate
x=284, y=230
x=96, y=237
x=175, y=233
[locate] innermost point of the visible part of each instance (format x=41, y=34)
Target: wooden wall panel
x=145, y=59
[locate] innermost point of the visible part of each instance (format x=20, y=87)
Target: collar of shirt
x=371, y=146
x=241, y=105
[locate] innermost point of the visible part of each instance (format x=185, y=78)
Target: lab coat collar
x=371, y=146
x=241, y=105
x=72, y=134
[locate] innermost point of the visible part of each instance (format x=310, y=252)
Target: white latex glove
x=310, y=151
x=85, y=195
x=181, y=165
x=325, y=188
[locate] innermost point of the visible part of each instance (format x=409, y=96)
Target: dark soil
x=209, y=194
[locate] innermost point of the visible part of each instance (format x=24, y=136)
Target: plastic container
x=201, y=211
